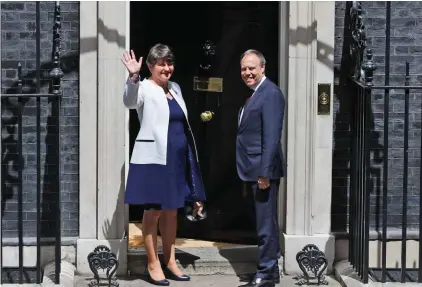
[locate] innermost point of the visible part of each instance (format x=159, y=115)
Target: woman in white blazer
x=164, y=171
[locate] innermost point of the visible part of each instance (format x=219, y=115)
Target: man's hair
x=257, y=53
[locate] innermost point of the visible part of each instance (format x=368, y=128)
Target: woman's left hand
x=198, y=207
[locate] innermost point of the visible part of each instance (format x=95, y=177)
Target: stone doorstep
x=235, y=260
x=198, y=280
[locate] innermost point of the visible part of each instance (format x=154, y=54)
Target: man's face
x=251, y=70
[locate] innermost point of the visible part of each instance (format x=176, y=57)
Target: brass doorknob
x=206, y=116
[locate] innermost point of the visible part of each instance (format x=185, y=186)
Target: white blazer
x=151, y=104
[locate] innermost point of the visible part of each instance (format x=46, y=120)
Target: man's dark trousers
x=259, y=155
x=265, y=207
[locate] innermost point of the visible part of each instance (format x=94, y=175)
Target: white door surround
x=306, y=57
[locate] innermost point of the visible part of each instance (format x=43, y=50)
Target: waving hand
x=132, y=65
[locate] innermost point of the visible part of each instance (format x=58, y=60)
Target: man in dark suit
x=259, y=160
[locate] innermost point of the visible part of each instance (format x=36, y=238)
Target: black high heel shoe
x=172, y=276
x=163, y=282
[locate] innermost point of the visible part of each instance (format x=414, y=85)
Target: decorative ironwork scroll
x=358, y=39
x=360, y=69
x=313, y=263
x=208, y=55
x=103, y=258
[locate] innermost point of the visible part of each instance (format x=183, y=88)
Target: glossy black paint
x=233, y=27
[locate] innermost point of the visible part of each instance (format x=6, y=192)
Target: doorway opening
x=231, y=28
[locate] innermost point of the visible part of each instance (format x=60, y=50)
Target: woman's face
x=162, y=70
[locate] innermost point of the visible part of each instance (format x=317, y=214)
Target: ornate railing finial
x=56, y=73
x=19, y=78
x=368, y=68
x=358, y=40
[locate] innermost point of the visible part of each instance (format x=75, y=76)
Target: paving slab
x=198, y=280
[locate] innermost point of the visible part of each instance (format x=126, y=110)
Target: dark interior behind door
x=233, y=27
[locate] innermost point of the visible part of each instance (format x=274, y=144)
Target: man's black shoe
x=247, y=277
x=250, y=277
x=259, y=282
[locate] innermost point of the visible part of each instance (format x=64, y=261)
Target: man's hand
x=263, y=182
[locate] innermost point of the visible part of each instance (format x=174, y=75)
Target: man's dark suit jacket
x=258, y=143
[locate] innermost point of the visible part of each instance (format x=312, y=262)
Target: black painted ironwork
x=358, y=43
x=362, y=90
x=208, y=56
x=102, y=258
x=23, y=274
x=313, y=264
x=56, y=73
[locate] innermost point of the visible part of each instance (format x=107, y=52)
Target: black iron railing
x=362, y=91
x=54, y=96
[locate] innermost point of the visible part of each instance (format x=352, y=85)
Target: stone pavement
x=197, y=281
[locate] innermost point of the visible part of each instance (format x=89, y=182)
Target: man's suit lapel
x=250, y=104
x=238, y=116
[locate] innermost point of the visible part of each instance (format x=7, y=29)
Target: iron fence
x=362, y=90
x=18, y=274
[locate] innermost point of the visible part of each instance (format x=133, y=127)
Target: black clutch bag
x=194, y=214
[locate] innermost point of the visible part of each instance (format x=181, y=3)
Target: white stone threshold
x=234, y=260
x=67, y=275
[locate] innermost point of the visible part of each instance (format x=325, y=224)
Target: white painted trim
x=111, y=133
x=127, y=118
x=323, y=124
x=301, y=114
x=102, y=135
x=283, y=68
x=88, y=120
x=308, y=209
x=309, y=149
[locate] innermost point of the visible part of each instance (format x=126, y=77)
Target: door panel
x=233, y=27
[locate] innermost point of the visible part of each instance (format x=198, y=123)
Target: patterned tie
x=242, y=110
x=249, y=95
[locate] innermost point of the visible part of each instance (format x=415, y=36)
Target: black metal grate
x=33, y=274
x=361, y=90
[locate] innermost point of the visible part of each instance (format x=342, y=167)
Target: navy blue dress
x=163, y=186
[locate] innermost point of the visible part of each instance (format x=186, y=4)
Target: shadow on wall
x=325, y=52
x=342, y=153
x=342, y=135
x=11, y=160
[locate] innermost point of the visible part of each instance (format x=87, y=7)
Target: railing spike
x=56, y=73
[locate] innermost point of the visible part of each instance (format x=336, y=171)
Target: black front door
x=232, y=27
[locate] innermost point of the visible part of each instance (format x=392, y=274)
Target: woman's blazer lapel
x=177, y=95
